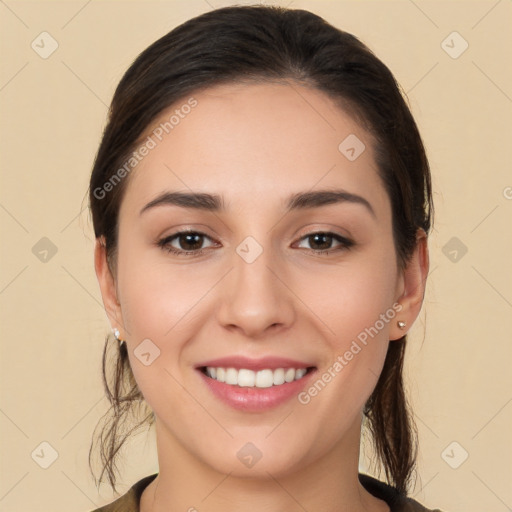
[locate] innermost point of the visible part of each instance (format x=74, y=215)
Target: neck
x=330, y=483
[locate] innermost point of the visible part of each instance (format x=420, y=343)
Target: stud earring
x=116, y=334
x=401, y=324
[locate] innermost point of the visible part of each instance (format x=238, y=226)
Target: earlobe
x=107, y=285
x=413, y=281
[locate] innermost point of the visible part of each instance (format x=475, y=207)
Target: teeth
x=264, y=379
x=260, y=379
x=232, y=376
x=278, y=377
x=246, y=378
x=300, y=373
x=289, y=375
x=221, y=374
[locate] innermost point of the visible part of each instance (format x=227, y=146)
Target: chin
x=267, y=467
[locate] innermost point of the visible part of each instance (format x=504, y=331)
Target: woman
x=261, y=201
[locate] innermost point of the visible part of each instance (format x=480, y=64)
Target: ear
x=108, y=288
x=411, y=287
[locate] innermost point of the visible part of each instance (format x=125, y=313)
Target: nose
x=255, y=297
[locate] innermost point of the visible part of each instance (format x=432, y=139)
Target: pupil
x=191, y=236
x=326, y=245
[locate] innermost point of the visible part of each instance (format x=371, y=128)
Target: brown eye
x=190, y=241
x=321, y=242
x=184, y=242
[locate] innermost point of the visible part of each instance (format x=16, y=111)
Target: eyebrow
x=298, y=201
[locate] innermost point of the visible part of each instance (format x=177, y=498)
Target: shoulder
x=128, y=502
x=397, y=502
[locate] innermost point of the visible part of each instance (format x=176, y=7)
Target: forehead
x=251, y=142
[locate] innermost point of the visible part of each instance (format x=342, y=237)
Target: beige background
x=53, y=324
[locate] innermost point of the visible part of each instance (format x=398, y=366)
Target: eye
x=323, y=240
x=189, y=242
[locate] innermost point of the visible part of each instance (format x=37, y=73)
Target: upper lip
x=267, y=362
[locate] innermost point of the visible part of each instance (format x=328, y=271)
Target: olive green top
x=129, y=502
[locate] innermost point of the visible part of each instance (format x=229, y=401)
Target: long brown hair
x=269, y=43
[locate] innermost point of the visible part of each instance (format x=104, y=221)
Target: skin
x=255, y=145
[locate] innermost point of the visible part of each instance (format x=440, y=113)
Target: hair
x=268, y=44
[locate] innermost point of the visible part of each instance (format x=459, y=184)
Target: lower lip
x=255, y=399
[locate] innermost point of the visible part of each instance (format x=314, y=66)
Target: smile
x=264, y=378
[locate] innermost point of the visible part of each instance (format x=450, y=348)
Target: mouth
x=255, y=385
x=247, y=378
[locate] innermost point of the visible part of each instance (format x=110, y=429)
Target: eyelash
x=164, y=243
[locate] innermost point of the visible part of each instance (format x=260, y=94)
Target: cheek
x=350, y=297
x=165, y=303
x=158, y=297
x=355, y=310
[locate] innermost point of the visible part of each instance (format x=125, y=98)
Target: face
x=267, y=286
